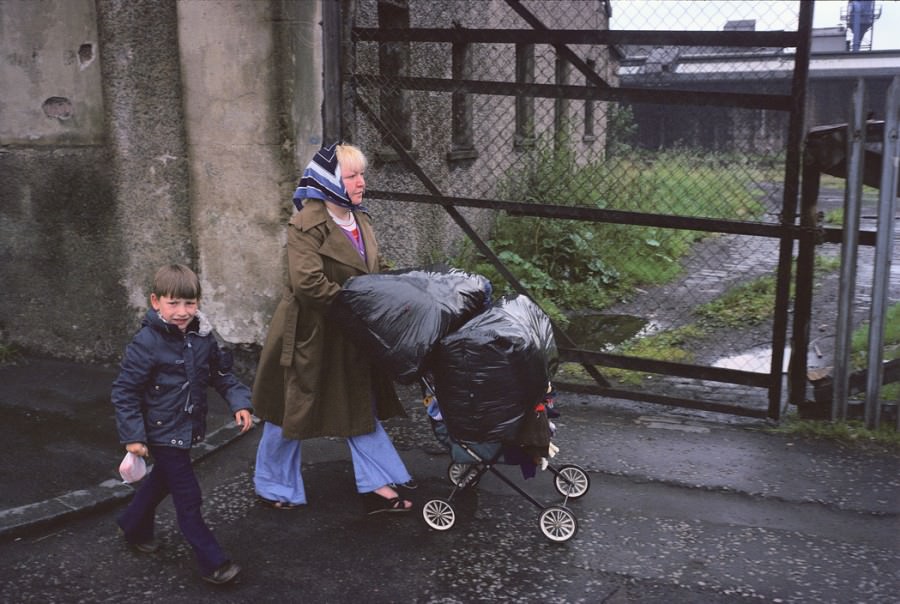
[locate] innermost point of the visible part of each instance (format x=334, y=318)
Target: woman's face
x=354, y=182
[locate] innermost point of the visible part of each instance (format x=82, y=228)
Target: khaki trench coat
x=311, y=380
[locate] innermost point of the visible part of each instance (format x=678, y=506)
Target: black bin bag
x=493, y=370
x=399, y=316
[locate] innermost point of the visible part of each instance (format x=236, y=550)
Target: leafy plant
x=621, y=129
x=572, y=264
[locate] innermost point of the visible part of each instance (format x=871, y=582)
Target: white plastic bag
x=132, y=468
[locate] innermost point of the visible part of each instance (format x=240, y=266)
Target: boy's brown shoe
x=225, y=573
x=146, y=548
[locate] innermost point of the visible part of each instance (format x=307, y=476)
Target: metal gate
x=640, y=149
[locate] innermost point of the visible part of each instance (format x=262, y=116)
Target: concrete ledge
x=15, y=522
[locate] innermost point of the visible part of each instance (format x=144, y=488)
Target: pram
x=490, y=363
x=469, y=462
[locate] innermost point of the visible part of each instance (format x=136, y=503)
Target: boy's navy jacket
x=160, y=392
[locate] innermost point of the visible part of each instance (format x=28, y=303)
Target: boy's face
x=177, y=311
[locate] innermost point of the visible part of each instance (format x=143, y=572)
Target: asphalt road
x=680, y=509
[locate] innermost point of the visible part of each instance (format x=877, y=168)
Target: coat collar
x=200, y=325
x=336, y=245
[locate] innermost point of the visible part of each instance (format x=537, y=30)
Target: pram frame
x=556, y=522
x=482, y=466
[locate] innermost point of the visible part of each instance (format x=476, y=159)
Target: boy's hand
x=139, y=449
x=243, y=419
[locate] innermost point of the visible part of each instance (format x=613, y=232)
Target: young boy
x=160, y=402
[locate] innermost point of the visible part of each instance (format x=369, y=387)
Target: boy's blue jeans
x=172, y=473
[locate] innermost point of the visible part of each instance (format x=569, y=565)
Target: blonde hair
x=351, y=157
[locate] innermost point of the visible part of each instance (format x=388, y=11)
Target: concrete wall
x=240, y=148
x=139, y=132
x=60, y=246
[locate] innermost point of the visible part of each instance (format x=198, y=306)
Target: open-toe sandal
x=376, y=504
x=279, y=505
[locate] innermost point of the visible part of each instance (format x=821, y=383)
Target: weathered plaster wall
x=240, y=147
x=50, y=74
x=139, y=132
x=148, y=166
x=59, y=255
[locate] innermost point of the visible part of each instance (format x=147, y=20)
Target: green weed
x=835, y=216
x=670, y=345
x=859, y=346
x=748, y=304
x=848, y=432
x=8, y=353
x=751, y=303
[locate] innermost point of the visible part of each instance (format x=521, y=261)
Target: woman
x=311, y=380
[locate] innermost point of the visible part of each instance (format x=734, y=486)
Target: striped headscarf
x=322, y=180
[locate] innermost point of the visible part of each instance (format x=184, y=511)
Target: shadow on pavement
x=60, y=433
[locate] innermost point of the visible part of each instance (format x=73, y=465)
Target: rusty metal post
x=856, y=138
x=803, y=289
x=884, y=242
x=797, y=371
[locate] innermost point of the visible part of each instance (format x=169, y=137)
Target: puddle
x=595, y=331
x=670, y=423
x=758, y=360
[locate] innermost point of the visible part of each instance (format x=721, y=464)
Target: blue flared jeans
x=277, y=477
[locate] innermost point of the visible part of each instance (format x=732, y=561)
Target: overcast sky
x=769, y=15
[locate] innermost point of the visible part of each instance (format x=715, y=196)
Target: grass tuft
x=851, y=432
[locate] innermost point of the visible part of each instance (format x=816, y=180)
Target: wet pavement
x=682, y=507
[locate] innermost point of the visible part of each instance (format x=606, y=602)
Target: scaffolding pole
x=884, y=242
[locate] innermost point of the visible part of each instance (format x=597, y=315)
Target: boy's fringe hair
x=176, y=281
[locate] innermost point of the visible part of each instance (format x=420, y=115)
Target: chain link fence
x=657, y=129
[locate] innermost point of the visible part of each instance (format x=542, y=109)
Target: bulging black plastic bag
x=493, y=370
x=399, y=316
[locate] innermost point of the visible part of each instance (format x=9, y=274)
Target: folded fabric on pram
x=494, y=369
x=399, y=316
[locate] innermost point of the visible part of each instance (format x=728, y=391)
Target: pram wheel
x=558, y=524
x=463, y=475
x=439, y=514
x=571, y=481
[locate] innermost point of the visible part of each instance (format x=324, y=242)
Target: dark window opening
x=588, y=134
x=462, y=145
x=393, y=61
x=524, y=135
x=561, y=106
